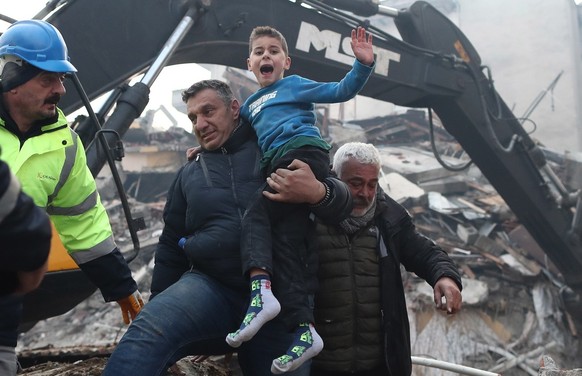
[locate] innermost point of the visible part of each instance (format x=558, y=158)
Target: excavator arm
x=433, y=66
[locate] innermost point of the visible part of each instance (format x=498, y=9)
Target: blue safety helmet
x=38, y=43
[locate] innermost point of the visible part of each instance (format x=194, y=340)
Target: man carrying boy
x=282, y=114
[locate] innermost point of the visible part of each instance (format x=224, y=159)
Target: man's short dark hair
x=221, y=88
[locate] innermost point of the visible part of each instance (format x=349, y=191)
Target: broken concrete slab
x=549, y=368
x=399, y=188
x=467, y=233
x=447, y=185
x=414, y=164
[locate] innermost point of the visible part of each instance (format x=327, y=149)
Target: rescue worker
x=49, y=159
x=25, y=235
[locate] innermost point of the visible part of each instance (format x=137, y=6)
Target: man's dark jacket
x=419, y=255
x=399, y=243
x=206, y=203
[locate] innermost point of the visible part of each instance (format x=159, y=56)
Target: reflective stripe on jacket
x=52, y=169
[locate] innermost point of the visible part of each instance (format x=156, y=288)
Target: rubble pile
x=548, y=367
x=515, y=306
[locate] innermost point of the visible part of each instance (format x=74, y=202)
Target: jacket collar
x=240, y=135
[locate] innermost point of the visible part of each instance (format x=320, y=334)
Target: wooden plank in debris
x=531, y=265
x=472, y=206
x=481, y=188
x=495, y=200
x=88, y=367
x=523, y=238
x=493, y=258
x=62, y=354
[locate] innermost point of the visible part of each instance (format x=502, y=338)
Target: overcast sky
x=20, y=9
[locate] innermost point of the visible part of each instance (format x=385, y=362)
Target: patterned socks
x=264, y=307
x=306, y=344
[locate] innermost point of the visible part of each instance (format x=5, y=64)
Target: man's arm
x=89, y=238
x=330, y=200
x=429, y=261
x=25, y=233
x=170, y=260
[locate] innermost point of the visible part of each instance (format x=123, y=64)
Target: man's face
x=37, y=98
x=362, y=179
x=268, y=60
x=212, y=120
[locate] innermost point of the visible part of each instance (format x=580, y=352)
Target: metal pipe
x=131, y=223
x=388, y=11
x=463, y=370
x=169, y=48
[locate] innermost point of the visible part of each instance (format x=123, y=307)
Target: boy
x=281, y=112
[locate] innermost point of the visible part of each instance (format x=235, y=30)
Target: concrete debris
x=401, y=189
x=549, y=368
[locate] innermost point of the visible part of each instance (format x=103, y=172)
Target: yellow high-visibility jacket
x=52, y=168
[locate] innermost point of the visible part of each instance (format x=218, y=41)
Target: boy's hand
x=362, y=46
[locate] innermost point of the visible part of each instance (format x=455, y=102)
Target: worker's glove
x=130, y=306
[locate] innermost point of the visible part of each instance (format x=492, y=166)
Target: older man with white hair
x=360, y=308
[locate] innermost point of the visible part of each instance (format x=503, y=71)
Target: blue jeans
x=193, y=317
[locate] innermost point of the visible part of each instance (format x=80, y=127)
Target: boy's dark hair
x=267, y=31
x=221, y=88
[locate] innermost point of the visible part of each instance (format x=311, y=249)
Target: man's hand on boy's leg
x=191, y=153
x=295, y=184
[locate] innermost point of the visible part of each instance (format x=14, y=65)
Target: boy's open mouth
x=267, y=69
